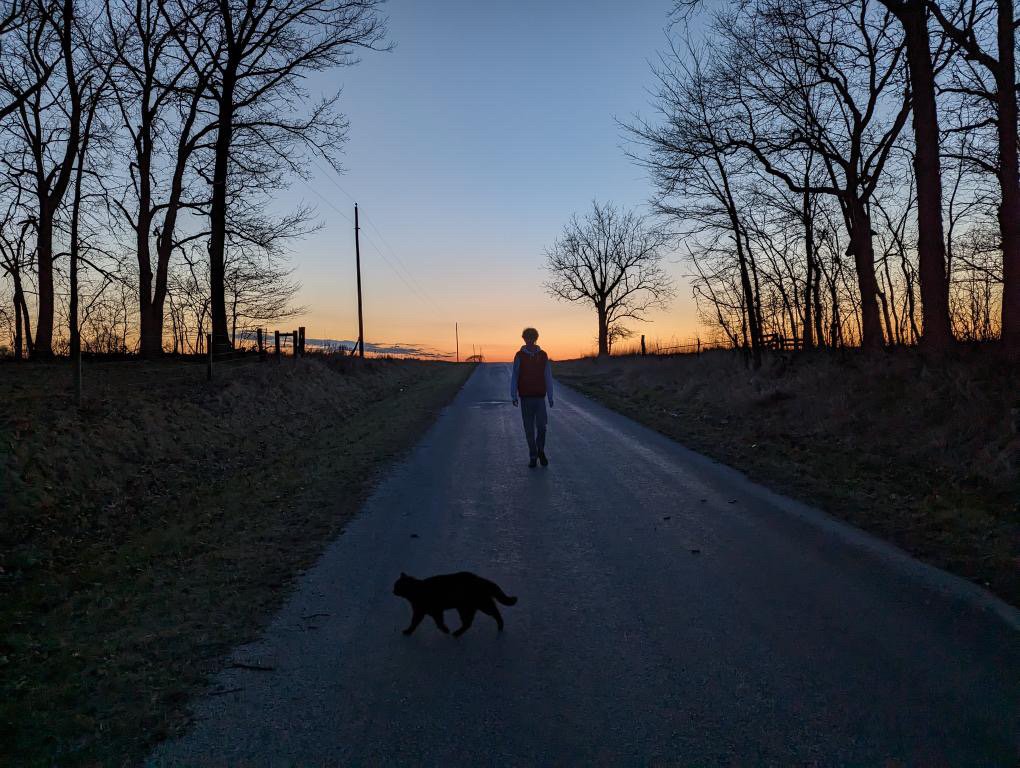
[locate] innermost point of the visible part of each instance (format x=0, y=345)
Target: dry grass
x=925, y=454
x=144, y=535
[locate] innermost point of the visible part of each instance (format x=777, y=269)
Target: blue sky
x=470, y=145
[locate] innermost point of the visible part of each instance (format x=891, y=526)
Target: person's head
x=530, y=335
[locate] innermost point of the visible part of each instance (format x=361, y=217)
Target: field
x=149, y=531
x=924, y=454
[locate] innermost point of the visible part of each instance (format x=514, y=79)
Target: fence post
x=208, y=357
x=259, y=340
x=294, y=345
x=277, y=345
x=642, y=345
x=301, y=339
x=699, y=346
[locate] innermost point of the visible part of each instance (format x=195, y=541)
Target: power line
x=410, y=276
x=373, y=245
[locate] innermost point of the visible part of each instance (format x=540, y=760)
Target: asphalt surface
x=671, y=612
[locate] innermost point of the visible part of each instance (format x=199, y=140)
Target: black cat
x=464, y=591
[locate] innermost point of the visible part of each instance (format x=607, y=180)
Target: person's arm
x=548, y=381
x=514, y=375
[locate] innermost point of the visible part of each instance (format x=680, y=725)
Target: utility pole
x=456, y=333
x=357, y=259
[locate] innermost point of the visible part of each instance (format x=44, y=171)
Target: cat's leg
x=490, y=608
x=416, y=619
x=467, y=615
x=438, y=618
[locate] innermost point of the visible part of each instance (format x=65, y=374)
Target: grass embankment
x=144, y=535
x=924, y=454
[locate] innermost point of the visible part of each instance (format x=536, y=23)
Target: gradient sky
x=470, y=146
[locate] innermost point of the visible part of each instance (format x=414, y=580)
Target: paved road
x=671, y=612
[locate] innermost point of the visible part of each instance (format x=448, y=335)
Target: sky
x=471, y=144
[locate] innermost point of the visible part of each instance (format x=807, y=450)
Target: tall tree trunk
x=931, y=249
x=883, y=299
x=17, y=321
x=809, y=255
x=1009, y=176
x=44, y=265
x=819, y=334
x=26, y=320
x=72, y=322
x=150, y=340
x=750, y=299
x=603, y=330
x=218, y=218
x=864, y=263
x=50, y=195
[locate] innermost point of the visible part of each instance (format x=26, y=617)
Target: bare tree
x=259, y=285
x=931, y=248
x=812, y=77
x=21, y=33
x=985, y=32
x=16, y=259
x=49, y=128
x=264, y=50
x=162, y=75
x=698, y=175
x=612, y=260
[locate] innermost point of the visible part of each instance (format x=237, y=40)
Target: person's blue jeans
x=535, y=420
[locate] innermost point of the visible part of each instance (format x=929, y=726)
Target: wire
x=410, y=281
x=373, y=245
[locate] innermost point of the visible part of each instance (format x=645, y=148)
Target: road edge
x=929, y=575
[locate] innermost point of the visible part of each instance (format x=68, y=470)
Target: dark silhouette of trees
x=984, y=31
x=812, y=96
x=200, y=112
x=699, y=179
x=49, y=129
x=931, y=248
x=21, y=33
x=610, y=259
x=162, y=75
x=262, y=53
x=16, y=258
x=829, y=82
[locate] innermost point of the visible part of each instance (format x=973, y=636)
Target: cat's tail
x=502, y=597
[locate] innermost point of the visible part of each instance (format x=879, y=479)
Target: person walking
x=531, y=384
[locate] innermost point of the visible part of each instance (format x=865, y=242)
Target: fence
x=773, y=341
x=782, y=343
x=693, y=347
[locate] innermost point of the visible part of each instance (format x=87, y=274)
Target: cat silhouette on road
x=465, y=592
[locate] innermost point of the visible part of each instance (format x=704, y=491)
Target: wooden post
x=301, y=342
x=643, y=353
x=277, y=345
x=258, y=341
x=208, y=357
x=456, y=336
x=293, y=345
x=699, y=346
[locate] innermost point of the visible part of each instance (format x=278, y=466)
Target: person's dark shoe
x=533, y=462
x=542, y=458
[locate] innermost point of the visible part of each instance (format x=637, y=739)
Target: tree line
x=141, y=143
x=836, y=172
x=844, y=172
